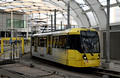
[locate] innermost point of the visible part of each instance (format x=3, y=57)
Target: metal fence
x=11, y=48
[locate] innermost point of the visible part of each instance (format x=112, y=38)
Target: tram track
x=94, y=70
x=109, y=73
x=62, y=70
x=52, y=72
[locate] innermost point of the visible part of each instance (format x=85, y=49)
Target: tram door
x=49, y=44
x=35, y=44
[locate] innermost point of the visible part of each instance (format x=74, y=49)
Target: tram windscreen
x=89, y=42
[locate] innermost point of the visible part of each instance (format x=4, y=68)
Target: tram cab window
x=42, y=42
x=73, y=42
x=90, y=42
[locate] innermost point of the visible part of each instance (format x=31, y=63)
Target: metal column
x=68, y=14
x=101, y=42
x=11, y=29
x=47, y=21
x=51, y=23
x=11, y=24
x=5, y=32
x=55, y=20
x=108, y=33
x=39, y=19
x=32, y=31
x=61, y=24
x=27, y=25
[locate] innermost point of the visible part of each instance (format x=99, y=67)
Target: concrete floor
x=41, y=70
x=28, y=71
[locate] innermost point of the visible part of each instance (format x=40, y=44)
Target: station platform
x=114, y=65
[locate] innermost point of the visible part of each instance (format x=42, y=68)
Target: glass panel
x=92, y=19
x=104, y=2
x=32, y=41
x=80, y=1
x=42, y=42
x=82, y=4
x=59, y=42
x=56, y=42
x=3, y=8
x=35, y=44
x=85, y=8
x=8, y=23
x=62, y=42
x=117, y=14
x=89, y=42
x=113, y=1
x=114, y=14
x=73, y=42
x=16, y=23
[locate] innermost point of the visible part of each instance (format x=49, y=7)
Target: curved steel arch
x=73, y=14
x=76, y=12
x=79, y=12
x=100, y=13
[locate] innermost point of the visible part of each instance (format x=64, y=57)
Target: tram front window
x=89, y=42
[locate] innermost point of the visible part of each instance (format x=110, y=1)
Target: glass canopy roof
x=114, y=10
x=27, y=6
x=82, y=11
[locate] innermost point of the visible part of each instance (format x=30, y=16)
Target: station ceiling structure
x=87, y=13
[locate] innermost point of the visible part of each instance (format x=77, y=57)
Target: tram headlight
x=84, y=57
x=98, y=56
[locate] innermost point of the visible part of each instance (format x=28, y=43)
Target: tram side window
x=59, y=42
x=32, y=41
x=56, y=42
x=42, y=42
x=62, y=42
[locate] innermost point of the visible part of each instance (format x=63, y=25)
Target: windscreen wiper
x=91, y=53
x=89, y=46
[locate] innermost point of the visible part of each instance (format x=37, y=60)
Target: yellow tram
x=76, y=47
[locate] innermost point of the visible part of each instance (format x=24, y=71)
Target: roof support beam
x=87, y=11
x=103, y=7
x=79, y=12
x=63, y=6
x=100, y=13
x=76, y=12
x=112, y=5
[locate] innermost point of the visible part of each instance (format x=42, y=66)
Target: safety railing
x=11, y=48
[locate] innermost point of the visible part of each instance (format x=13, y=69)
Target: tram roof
x=65, y=32
x=53, y=33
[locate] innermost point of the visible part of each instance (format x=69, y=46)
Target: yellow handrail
x=13, y=39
